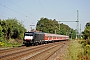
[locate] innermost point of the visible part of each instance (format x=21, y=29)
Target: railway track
x=11, y=49
x=41, y=52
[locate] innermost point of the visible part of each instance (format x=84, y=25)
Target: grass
x=11, y=43
x=74, y=50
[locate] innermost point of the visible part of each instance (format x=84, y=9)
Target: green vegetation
x=86, y=47
x=86, y=43
x=1, y=44
x=11, y=32
x=74, y=50
x=78, y=50
x=86, y=32
x=50, y=26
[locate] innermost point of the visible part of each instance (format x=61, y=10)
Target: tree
x=12, y=29
x=86, y=32
x=47, y=25
x=1, y=34
x=50, y=26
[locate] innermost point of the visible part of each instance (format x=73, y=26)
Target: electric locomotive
x=33, y=38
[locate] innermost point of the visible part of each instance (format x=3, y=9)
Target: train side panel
x=39, y=38
x=55, y=37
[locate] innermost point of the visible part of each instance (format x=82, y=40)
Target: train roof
x=46, y=33
x=35, y=32
x=54, y=34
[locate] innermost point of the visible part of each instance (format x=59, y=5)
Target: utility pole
x=31, y=26
x=65, y=21
x=73, y=21
x=77, y=26
x=80, y=30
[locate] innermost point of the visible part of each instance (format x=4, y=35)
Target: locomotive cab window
x=28, y=34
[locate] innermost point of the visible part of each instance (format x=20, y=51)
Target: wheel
x=45, y=42
x=36, y=43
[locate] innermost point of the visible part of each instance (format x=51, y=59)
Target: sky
x=28, y=12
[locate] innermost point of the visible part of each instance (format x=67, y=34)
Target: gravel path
x=62, y=53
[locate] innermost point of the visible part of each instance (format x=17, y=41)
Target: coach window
x=57, y=37
x=50, y=36
x=46, y=36
x=60, y=37
x=54, y=37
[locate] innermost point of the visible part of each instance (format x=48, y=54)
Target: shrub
x=7, y=44
x=1, y=44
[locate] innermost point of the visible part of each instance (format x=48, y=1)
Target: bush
x=82, y=41
x=86, y=47
x=88, y=41
x=1, y=44
x=7, y=44
x=12, y=43
x=1, y=39
x=74, y=50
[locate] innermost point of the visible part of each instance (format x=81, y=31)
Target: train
x=35, y=38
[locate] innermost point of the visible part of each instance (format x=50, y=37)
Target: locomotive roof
x=35, y=32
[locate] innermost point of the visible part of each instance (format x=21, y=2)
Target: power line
x=13, y=10
x=21, y=8
x=69, y=14
x=5, y=13
x=42, y=6
x=68, y=21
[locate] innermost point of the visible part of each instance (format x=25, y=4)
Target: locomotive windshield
x=28, y=34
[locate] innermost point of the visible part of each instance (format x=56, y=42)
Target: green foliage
x=86, y=32
x=11, y=43
x=50, y=26
x=1, y=34
x=7, y=44
x=15, y=29
x=11, y=29
x=47, y=25
x=74, y=50
x=87, y=24
x=1, y=44
x=86, y=44
x=86, y=47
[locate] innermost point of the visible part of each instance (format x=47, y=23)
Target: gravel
x=62, y=53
